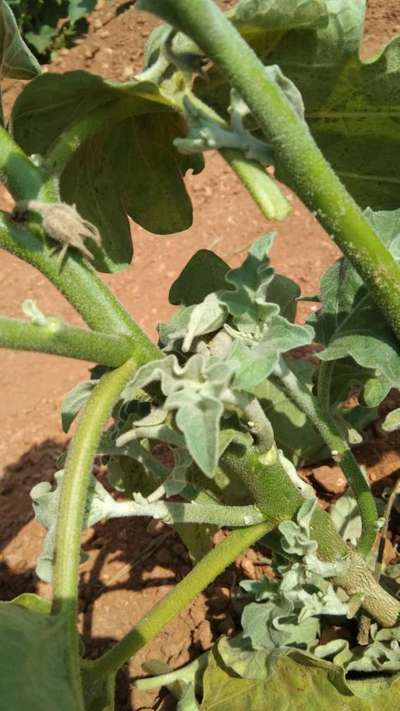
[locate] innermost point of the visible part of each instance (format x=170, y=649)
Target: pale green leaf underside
x=298, y=683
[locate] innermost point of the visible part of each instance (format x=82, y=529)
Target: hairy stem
x=325, y=372
x=60, y=339
x=78, y=282
x=75, y=484
x=339, y=449
x=180, y=512
x=278, y=499
x=252, y=174
x=312, y=177
x=23, y=179
x=180, y=597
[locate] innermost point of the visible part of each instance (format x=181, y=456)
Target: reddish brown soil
x=133, y=565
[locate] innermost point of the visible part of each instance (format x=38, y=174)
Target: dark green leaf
x=33, y=662
x=204, y=273
x=74, y=401
x=352, y=107
x=131, y=154
x=79, y=8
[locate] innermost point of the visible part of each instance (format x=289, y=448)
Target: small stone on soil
x=331, y=479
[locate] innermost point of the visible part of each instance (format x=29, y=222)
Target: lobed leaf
x=130, y=154
x=350, y=324
x=99, y=505
x=300, y=681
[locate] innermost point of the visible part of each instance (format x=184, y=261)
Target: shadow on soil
x=141, y=556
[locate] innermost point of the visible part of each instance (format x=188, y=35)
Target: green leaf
x=33, y=667
x=74, y=401
x=130, y=154
x=257, y=15
x=197, y=537
x=247, y=301
x=16, y=60
x=42, y=39
x=352, y=106
x=204, y=273
x=79, y=8
x=350, y=324
x=101, y=695
x=99, y=505
x=299, y=682
x=254, y=360
x=194, y=393
x=294, y=433
x=33, y=602
x=392, y=421
x=346, y=518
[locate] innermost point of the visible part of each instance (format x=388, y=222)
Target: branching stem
x=61, y=339
x=312, y=177
x=339, y=449
x=78, y=282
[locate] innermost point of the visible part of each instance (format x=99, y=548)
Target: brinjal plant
x=269, y=84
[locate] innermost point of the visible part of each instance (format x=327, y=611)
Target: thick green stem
x=76, y=479
x=278, y=499
x=180, y=597
x=313, y=179
x=340, y=451
x=24, y=180
x=60, y=339
x=277, y=496
x=78, y=282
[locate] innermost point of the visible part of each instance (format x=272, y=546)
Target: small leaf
x=392, y=421
x=194, y=393
x=254, y=361
x=16, y=60
x=294, y=433
x=346, y=518
x=204, y=273
x=99, y=505
x=79, y=8
x=74, y=402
